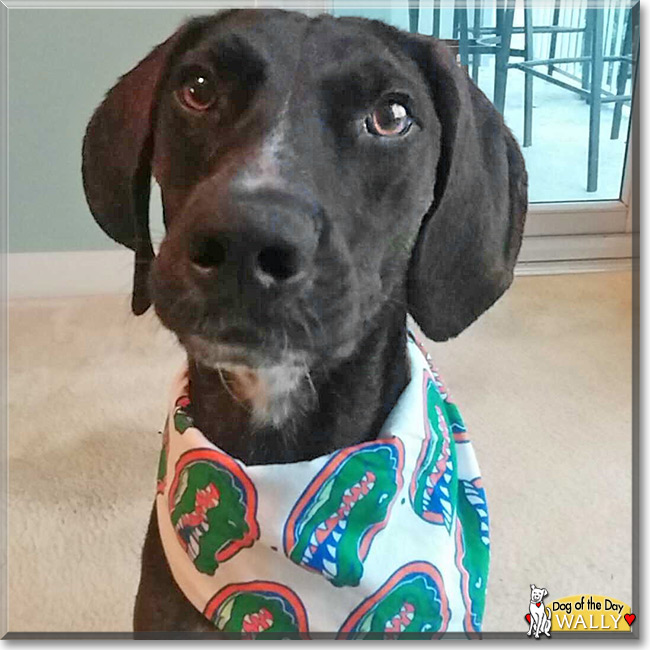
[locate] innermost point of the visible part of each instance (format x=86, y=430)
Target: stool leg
x=614, y=20
x=478, y=23
x=503, y=54
x=621, y=78
x=436, y=20
x=587, y=42
x=595, y=98
x=553, y=46
x=463, y=37
x=528, y=78
x=414, y=18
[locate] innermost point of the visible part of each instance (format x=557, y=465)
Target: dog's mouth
x=269, y=380
x=226, y=325
x=237, y=347
x=237, y=335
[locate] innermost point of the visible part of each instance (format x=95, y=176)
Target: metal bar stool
x=591, y=89
x=497, y=40
x=625, y=68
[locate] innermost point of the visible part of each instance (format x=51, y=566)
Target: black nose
x=265, y=239
x=277, y=264
x=266, y=264
x=207, y=252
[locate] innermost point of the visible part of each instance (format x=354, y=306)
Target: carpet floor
x=543, y=380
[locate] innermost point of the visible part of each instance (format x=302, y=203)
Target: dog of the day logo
x=580, y=613
x=539, y=616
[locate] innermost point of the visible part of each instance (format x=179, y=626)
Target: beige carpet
x=543, y=381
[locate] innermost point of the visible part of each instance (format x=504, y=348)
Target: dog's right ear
x=117, y=151
x=532, y=586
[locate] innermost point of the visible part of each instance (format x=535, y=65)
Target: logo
x=213, y=508
x=412, y=601
x=472, y=550
x=183, y=419
x=581, y=613
x=161, y=479
x=434, y=485
x=258, y=609
x=539, y=616
x=331, y=527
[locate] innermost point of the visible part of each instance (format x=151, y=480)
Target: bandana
x=379, y=540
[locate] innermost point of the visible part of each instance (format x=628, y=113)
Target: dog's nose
x=271, y=264
x=264, y=240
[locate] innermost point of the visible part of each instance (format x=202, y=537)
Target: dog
x=540, y=615
x=320, y=179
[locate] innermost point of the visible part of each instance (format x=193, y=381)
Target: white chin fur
x=274, y=393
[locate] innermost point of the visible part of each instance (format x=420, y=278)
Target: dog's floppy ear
x=116, y=166
x=468, y=243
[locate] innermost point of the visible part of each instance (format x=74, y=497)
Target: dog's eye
x=389, y=119
x=198, y=92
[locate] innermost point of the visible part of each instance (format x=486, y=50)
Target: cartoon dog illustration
x=539, y=618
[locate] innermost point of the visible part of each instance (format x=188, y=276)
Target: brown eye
x=198, y=92
x=389, y=119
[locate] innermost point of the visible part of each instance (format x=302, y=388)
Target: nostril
x=278, y=262
x=207, y=252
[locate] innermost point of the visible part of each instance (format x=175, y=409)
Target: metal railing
x=587, y=50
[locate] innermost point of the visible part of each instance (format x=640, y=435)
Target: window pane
x=574, y=145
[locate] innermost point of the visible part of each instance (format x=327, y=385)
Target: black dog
x=320, y=179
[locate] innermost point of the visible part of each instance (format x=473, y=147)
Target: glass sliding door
x=562, y=72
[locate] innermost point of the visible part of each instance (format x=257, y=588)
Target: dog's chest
x=388, y=537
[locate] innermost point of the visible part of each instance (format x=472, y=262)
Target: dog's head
x=537, y=594
x=315, y=173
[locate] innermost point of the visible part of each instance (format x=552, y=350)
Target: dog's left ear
x=468, y=243
x=116, y=166
x=545, y=592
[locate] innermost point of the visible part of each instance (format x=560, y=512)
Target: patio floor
x=557, y=159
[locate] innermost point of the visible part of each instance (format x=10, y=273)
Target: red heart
x=630, y=618
x=527, y=617
x=539, y=604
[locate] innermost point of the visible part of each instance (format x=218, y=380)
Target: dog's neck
x=335, y=408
